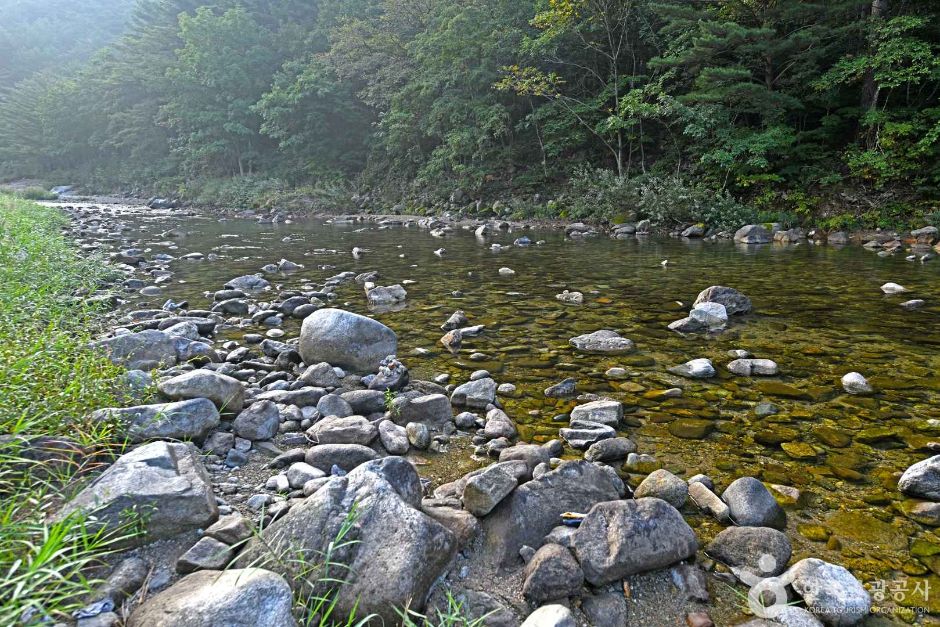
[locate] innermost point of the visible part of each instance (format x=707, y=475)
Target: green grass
x=49, y=382
x=30, y=193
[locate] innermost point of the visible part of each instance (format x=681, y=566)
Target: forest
x=811, y=112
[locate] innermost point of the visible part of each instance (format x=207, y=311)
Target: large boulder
x=750, y=504
x=621, y=538
x=237, y=597
x=186, y=420
x=922, y=480
x=227, y=393
x=753, y=234
x=734, y=301
x=145, y=350
x=533, y=509
x=393, y=553
x=347, y=340
x=830, y=592
x=164, y=483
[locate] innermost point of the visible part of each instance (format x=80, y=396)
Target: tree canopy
x=774, y=102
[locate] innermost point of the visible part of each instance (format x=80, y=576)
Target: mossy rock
x=776, y=435
x=876, y=434
x=832, y=437
x=816, y=533
x=799, y=450
x=862, y=527
x=784, y=390
x=691, y=428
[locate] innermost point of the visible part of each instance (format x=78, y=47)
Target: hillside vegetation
x=799, y=111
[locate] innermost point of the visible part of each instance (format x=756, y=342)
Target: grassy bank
x=49, y=382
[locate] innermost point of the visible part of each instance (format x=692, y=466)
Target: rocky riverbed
x=557, y=427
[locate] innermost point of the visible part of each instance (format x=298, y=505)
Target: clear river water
x=818, y=312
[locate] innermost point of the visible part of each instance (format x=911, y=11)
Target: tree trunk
x=879, y=8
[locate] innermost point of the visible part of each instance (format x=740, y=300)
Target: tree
x=222, y=70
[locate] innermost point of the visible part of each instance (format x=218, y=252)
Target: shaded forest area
x=813, y=112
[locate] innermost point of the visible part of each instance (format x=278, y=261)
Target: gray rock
x=232, y=529
x=499, y=425
x=609, y=450
x=258, y=422
x=752, y=553
x=733, y=301
x=695, y=369
x=164, y=482
x=568, y=387
x=418, y=434
x=606, y=412
x=922, y=480
x=711, y=316
x=186, y=420
x=365, y=402
x=830, y=592
x=394, y=438
x=534, y=508
x=753, y=234
x=334, y=405
x=752, y=505
x=227, y=393
x=345, y=339
x=485, y=490
x=145, y=350
x=664, y=485
x=621, y=538
x=432, y=410
x=475, y=394
x=348, y=430
x=603, y=342
x=552, y=574
x=531, y=454
x=855, y=383
x=399, y=551
x=346, y=456
x=207, y=554
x=606, y=608
x=248, y=283
x=299, y=473
x=386, y=295
x=550, y=616
x=708, y=502
x=582, y=434
x=321, y=375
x=750, y=367
x=249, y=596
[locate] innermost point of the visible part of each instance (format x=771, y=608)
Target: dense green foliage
x=37, y=35
x=51, y=381
x=806, y=108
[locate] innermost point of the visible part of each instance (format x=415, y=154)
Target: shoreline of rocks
x=296, y=437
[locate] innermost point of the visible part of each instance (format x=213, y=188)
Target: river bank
x=208, y=301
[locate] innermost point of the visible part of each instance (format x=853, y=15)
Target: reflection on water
x=818, y=312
